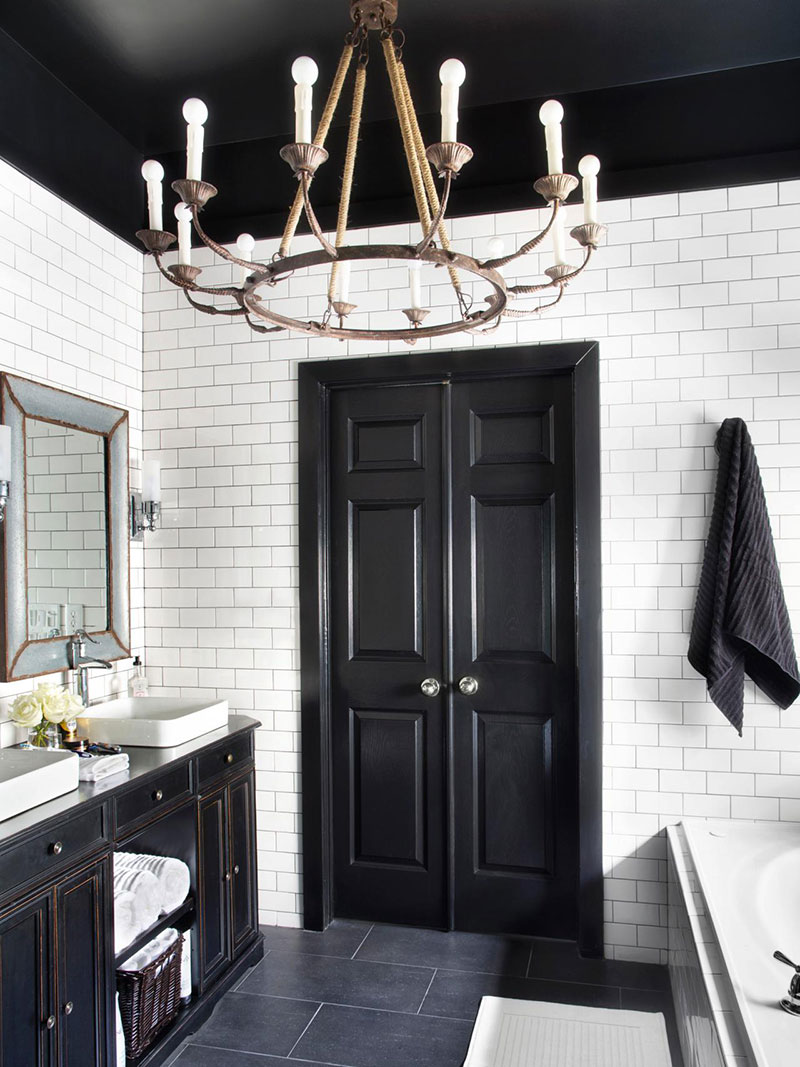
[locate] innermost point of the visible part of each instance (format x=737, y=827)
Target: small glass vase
x=45, y=735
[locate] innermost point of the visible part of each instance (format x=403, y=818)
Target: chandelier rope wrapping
x=261, y=282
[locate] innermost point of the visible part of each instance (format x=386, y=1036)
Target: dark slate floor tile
x=457, y=994
x=362, y=1038
x=650, y=1000
x=250, y=1023
x=559, y=960
x=356, y=982
x=200, y=1056
x=490, y=953
x=342, y=938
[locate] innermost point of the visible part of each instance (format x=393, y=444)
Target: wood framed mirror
x=66, y=551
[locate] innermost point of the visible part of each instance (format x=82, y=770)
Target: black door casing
x=474, y=476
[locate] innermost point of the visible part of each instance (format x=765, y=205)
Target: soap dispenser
x=138, y=680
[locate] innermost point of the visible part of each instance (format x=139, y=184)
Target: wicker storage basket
x=150, y=999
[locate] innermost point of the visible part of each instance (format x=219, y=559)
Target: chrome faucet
x=80, y=663
x=791, y=1002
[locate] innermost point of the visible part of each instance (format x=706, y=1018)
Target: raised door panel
x=84, y=968
x=26, y=993
x=212, y=866
x=244, y=904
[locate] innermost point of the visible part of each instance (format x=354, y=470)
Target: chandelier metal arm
x=211, y=309
x=257, y=328
x=436, y=223
x=191, y=286
x=427, y=177
x=564, y=279
x=529, y=246
x=518, y=313
x=316, y=229
x=220, y=249
x=323, y=126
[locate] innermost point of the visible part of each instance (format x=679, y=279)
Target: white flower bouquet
x=47, y=705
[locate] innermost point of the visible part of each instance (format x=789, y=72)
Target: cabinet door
x=212, y=867
x=84, y=967
x=26, y=993
x=243, y=860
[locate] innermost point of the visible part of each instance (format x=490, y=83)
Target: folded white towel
x=96, y=768
x=146, y=895
x=172, y=875
x=125, y=928
x=151, y=951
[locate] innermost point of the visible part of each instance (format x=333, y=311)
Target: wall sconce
x=146, y=506
x=5, y=467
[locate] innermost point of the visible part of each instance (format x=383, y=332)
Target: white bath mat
x=531, y=1033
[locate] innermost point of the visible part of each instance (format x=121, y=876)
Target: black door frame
x=579, y=359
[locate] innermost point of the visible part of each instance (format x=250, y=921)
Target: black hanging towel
x=740, y=619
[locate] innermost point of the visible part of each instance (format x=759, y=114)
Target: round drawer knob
x=227, y=876
x=56, y=848
x=158, y=795
x=68, y=1008
x=236, y=869
x=51, y=1022
x=229, y=758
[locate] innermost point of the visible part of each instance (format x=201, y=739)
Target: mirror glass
x=67, y=539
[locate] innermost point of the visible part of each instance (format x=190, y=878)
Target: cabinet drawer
x=50, y=850
x=229, y=757
x=147, y=800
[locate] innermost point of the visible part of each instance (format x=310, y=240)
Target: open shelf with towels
x=181, y=919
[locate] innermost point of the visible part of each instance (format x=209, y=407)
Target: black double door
x=454, y=747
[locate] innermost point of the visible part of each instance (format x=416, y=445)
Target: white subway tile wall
x=695, y=301
x=71, y=317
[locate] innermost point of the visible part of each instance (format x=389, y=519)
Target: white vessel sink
x=32, y=776
x=153, y=722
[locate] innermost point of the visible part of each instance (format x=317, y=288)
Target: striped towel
x=740, y=619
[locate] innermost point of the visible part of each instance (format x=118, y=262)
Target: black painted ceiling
x=670, y=93
x=134, y=61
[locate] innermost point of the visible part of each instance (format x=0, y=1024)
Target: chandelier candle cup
x=589, y=168
x=550, y=115
x=153, y=174
x=305, y=73
x=452, y=74
x=195, y=112
x=245, y=244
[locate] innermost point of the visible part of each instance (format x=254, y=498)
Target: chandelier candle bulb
x=589, y=168
x=451, y=74
x=153, y=174
x=414, y=283
x=305, y=73
x=550, y=115
x=184, y=216
x=195, y=112
x=343, y=282
x=245, y=244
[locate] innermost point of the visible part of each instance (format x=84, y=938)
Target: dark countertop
x=143, y=762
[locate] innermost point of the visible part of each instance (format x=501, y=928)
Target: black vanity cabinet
x=57, y=963
x=226, y=846
x=55, y=998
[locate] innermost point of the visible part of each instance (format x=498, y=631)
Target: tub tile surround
x=71, y=317
x=696, y=305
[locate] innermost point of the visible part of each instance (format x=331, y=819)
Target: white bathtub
x=749, y=878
